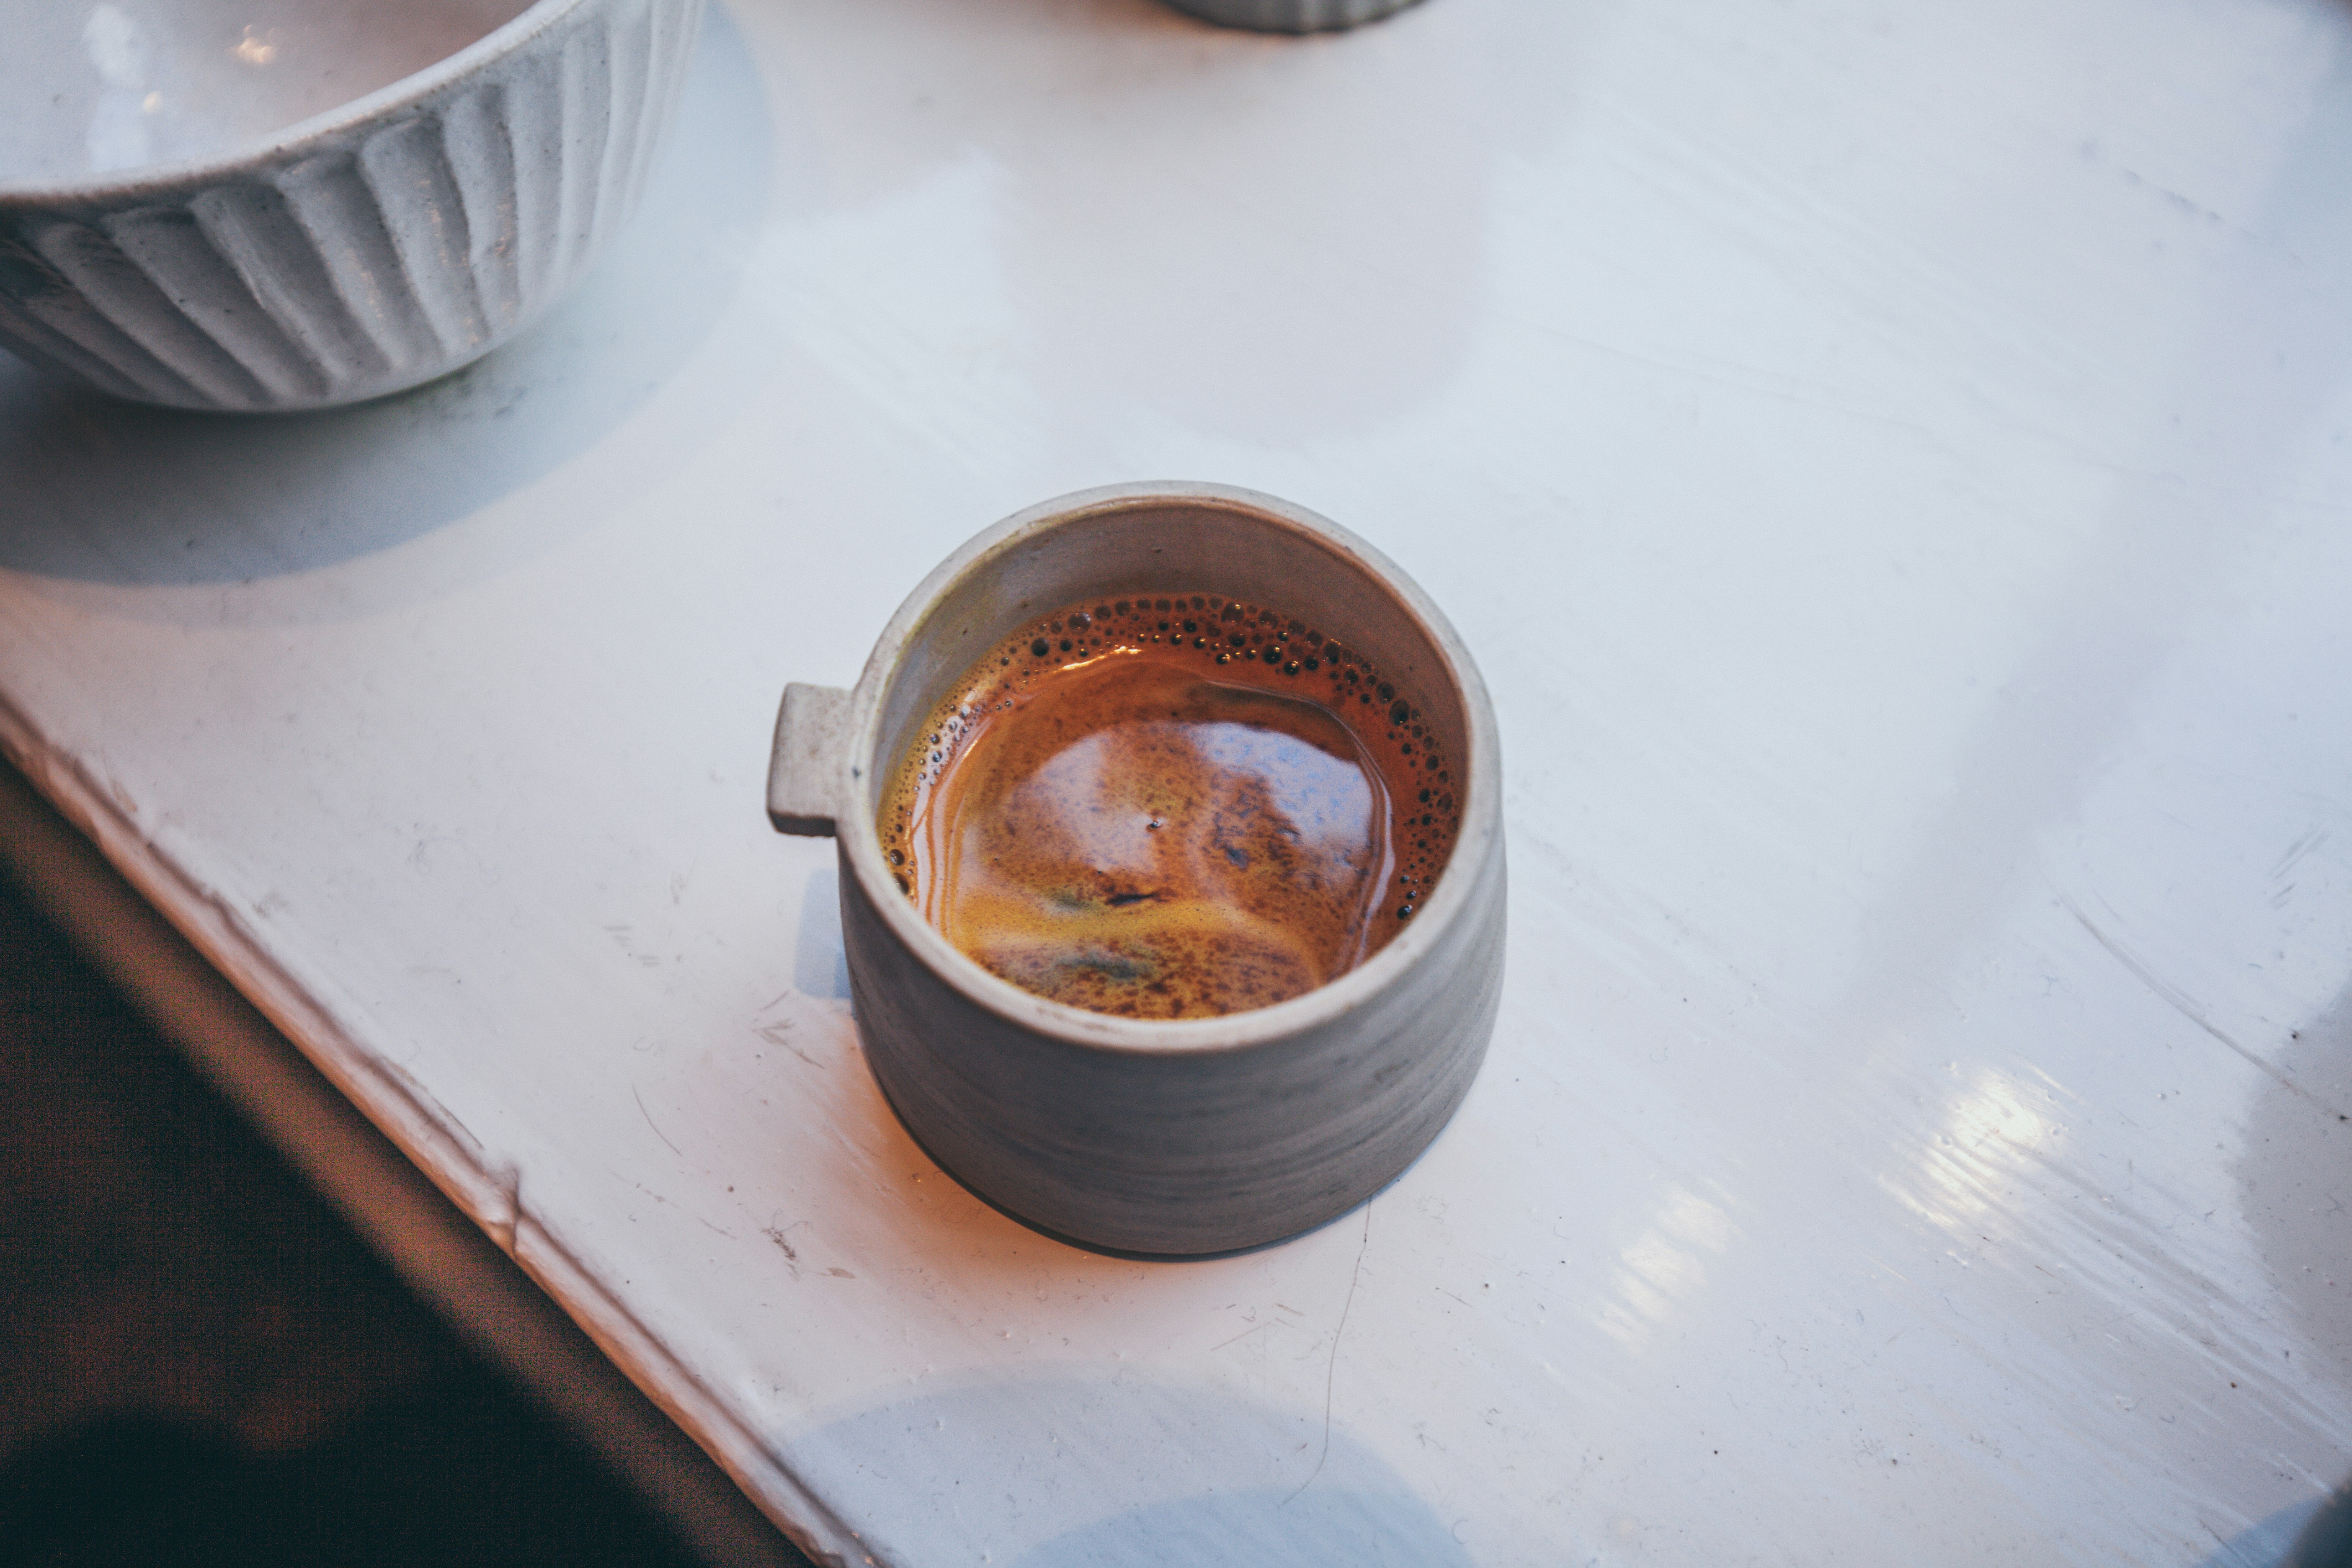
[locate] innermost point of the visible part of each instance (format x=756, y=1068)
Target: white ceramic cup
x=1161, y=1136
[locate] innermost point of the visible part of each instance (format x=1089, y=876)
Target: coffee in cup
x=1169, y=806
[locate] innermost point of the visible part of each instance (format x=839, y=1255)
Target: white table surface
x=1890, y=462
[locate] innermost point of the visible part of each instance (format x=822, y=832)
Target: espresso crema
x=1170, y=808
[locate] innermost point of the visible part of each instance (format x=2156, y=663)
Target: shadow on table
x=98, y=491
x=820, y=963
x=2314, y=1534
x=2296, y=1167
x=2298, y=1156
x=1035, y=1470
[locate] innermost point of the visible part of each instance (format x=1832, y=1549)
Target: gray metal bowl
x=1290, y=16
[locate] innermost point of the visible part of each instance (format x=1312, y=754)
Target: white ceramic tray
x=1890, y=467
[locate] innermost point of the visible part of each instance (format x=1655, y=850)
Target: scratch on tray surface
x=1242, y=1335
x=649, y=1121
x=2182, y=1004
x=2298, y=849
x=780, y=1035
x=1331, y=1372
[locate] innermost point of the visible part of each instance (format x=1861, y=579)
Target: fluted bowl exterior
x=352, y=256
x=1290, y=16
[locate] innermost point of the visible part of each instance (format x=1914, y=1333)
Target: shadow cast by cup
x=1056, y=1470
x=2294, y=1176
x=2316, y=1534
x=820, y=965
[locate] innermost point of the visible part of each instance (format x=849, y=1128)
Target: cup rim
x=292, y=141
x=859, y=843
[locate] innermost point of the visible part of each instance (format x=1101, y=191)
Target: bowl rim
x=291, y=142
x=1477, y=841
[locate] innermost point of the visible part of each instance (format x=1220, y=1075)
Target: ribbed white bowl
x=1290, y=16
x=362, y=250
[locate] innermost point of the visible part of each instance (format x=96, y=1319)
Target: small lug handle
x=805, y=770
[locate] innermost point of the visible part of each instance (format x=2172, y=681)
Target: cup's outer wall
x=1185, y=1153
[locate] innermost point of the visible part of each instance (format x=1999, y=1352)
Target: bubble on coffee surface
x=1172, y=805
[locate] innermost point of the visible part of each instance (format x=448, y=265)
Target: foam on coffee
x=1171, y=806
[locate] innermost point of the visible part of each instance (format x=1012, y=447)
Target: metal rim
x=1230, y=1032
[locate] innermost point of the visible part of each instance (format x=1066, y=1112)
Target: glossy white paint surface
x=1889, y=463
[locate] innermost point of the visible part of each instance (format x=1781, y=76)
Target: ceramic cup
x=1161, y=1136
